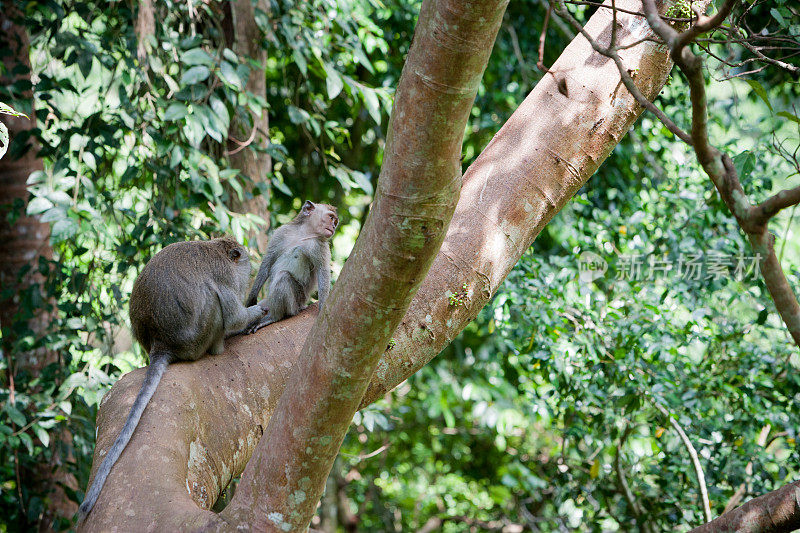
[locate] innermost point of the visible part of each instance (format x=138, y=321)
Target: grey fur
x=298, y=259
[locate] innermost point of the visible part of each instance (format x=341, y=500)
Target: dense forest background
x=560, y=407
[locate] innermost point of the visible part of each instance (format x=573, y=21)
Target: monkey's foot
x=259, y=325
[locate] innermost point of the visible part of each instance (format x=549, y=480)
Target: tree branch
x=611, y=52
x=416, y=194
x=717, y=166
x=698, y=468
x=761, y=213
x=622, y=482
x=777, y=512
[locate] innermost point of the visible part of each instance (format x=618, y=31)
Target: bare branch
x=622, y=482
x=771, y=61
x=703, y=24
x=761, y=213
x=698, y=468
x=542, y=38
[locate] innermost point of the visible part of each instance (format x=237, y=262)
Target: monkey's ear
x=308, y=207
x=235, y=254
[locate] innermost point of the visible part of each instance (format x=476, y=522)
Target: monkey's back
x=173, y=303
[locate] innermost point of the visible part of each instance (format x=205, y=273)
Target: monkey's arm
x=273, y=251
x=324, y=275
x=235, y=316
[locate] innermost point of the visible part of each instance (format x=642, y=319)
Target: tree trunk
x=248, y=151
x=180, y=458
x=24, y=241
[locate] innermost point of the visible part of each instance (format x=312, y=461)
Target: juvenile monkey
x=184, y=302
x=298, y=257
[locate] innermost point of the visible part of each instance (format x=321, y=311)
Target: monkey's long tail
x=158, y=363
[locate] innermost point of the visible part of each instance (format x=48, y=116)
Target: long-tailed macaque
x=185, y=301
x=298, y=258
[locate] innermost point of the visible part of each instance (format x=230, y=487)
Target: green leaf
x=372, y=103
x=300, y=61
x=230, y=55
x=744, y=163
x=196, y=56
x=27, y=441
x=175, y=111
x=760, y=91
x=60, y=198
x=297, y=115
x=787, y=115
x=53, y=214
x=3, y=139
x=42, y=435
x=194, y=130
x=282, y=187
x=777, y=16
x=195, y=75
x=762, y=316
x=15, y=415
x=333, y=81
x=221, y=112
x=39, y=205
x=8, y=110
x=63, y=230
x=175, y=157
x=228, y=74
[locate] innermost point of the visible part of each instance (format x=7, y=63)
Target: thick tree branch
x=145, y=28
x=775, y=512
x=627, y=80
x=761, y=213
x=206, y=418
x=417, y=192
x=251, y=158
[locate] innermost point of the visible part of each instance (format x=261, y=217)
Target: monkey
x=183, y=303
x=298, y=257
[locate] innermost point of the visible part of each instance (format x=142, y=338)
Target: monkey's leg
x=218, y=346
x=281, y=301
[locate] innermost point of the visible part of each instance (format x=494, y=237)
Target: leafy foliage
x=520, y=420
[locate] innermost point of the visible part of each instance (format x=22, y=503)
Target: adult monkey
x=298, y=258
x=185, y=301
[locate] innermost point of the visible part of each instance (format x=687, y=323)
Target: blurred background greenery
x=540, y=416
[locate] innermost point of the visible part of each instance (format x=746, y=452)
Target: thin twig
x=542, y=38
x=698, y=468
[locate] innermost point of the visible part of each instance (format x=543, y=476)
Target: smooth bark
x=206, y=418
x=774, y=512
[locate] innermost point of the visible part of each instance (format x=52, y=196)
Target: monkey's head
x=321, y=219
x=238, y=256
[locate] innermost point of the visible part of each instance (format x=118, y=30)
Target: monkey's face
x=328, y=222
x=322, y=217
